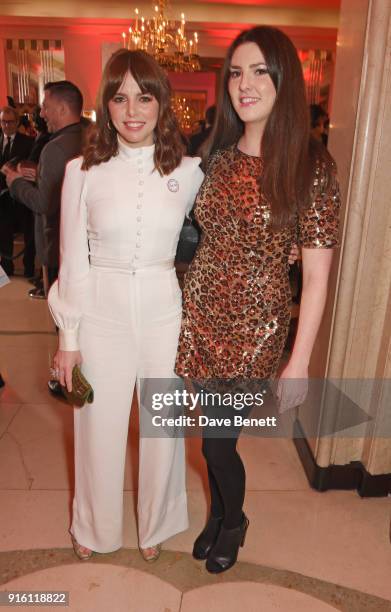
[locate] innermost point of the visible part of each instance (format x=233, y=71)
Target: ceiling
x=310, y=23
x=307, y=10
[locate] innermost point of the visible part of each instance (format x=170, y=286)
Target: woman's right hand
x=64, y=362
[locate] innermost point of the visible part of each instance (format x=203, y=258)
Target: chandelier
x=183, y=112
x=164, y=39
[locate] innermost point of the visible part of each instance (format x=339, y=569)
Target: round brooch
x=173, y=185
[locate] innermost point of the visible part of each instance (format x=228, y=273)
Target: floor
x=305, y=551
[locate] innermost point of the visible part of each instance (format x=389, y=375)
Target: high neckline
x=126, y=152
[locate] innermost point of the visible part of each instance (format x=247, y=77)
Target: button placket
x=140, y=196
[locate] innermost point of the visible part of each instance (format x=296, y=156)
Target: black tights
x=227, y=479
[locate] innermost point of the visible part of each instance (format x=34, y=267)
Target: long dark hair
x=289, y=157
x=102, y=142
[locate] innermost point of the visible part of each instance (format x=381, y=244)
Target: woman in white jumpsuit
x=117, y=302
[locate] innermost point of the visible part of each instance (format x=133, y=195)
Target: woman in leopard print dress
x=266, y=187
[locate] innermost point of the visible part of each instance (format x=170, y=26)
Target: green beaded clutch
x=82, y=391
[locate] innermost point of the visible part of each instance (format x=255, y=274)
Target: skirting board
x=347, y=477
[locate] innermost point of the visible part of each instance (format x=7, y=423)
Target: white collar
x=133, y=153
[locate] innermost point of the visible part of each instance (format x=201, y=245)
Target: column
x=355, y=339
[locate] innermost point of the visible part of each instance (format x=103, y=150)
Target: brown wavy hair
x=102, y=141
x=289, y=155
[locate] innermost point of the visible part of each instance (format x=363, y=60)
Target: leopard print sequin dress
x=237, y=297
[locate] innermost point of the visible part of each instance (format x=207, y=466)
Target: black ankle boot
x=207, y=538
x=224, y=553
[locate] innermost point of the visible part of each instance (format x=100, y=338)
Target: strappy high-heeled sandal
x=80, y=550
x=152, y=553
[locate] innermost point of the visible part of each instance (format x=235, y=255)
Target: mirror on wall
x=31, y=64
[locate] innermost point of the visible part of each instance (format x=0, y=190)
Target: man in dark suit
x=61, y=109
x=15, y=147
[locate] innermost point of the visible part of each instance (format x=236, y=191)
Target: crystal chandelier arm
x=164, y=39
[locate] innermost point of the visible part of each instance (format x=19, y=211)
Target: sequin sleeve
x=319, y=223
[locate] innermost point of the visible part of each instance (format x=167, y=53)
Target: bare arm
x=292, y=387
x=316, y=270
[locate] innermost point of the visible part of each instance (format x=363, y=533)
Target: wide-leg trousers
x=129, y=331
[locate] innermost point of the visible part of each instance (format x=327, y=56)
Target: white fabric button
x=141, y=183
x=136, y=257
x=138, y=206
x=138, y=219
x=138, y=245
x=138, y=232
x=140, y=195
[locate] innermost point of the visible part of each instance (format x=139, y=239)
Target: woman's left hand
x=292, y=386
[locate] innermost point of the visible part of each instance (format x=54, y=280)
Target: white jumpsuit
x=117, y=299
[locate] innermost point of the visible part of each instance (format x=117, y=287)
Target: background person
x=61, y=109
x=42, y=136
x=25, y=126
x=13, y=215
x=29, y=170
x=266, y=186
x=196, y=140
x=319, y=123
